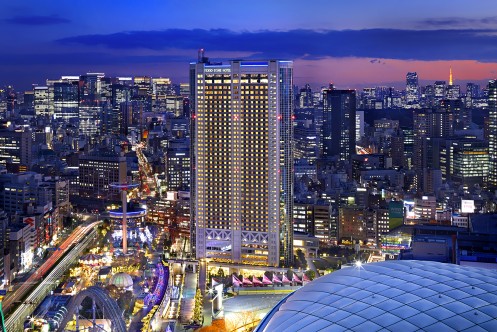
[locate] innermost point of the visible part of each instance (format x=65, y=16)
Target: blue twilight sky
x=352, y=43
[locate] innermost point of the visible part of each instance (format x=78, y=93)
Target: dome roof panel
x=393, y=295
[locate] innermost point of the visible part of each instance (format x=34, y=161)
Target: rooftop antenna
x=201, y=56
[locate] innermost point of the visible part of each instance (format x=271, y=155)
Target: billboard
x=395, y=214
x=467, y=206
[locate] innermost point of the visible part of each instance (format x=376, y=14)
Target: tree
x=113, y=291
x=126, y=302
x=197, y=311
x=242, y=321
x=220, y=272
x=218, y=325
x=310, y=274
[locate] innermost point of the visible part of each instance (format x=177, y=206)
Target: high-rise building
x=428, y=96
x=468, y=161
x=97, y=171
x=120, y=110
x=339, y=131
x=305, y=97
x=472, y=92
x=462, y=114
x=318, y=219
x=4, y=242
x=359, y=125
x=178, y=166
x=428, y=124
x=41, y=101
x=15, y=149
x=90, y=104
x=66, y=98
x=397, y=149
x=306, y=141
x=412, y=89
x=439, y=90
x=242, y=180
x=492, y=133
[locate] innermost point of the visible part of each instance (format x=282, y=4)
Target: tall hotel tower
x=242, y=180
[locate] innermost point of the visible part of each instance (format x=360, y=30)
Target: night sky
x=350, y=43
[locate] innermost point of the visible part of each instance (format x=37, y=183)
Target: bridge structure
x=100, y=298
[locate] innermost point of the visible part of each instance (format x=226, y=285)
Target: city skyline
x=351, y=45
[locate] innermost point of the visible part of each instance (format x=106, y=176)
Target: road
x=149, y=186
x=81, y=237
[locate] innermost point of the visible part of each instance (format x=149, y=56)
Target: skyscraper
x=339, y=108
x=41, y=101
x=492, y=133
x=90, y=105
x=439, y=90
x=66, y=98
x=429, y=124
x=412, y=88
x=242, y=181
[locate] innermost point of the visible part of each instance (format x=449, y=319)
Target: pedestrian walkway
x=188, y=299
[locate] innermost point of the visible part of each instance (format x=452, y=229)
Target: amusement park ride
x=124, y=187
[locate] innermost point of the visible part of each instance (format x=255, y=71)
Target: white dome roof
x=121, y=280
x=391, y=296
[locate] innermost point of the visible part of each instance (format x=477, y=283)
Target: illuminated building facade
x=42, y=101
x=412, y=88
x=66, y=99
x=339, y=134
x=90, y=105
x=466, y=161
x=15, y=149
x=242, y=183
x=97, y=172
x=178, y=169
x=492, y=133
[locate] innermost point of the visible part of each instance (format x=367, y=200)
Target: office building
x=242, y=180
x=66, y=98
x=465, y=161
x=15, y=149
x=97, y=171
x=439, y=88
x=318, y=219
x=339, y=119
x=428, y=125
x=306, y=141
x=90, y=105
x=412, y=89
x=492, y=133
x=351, y=225
x=41, y=101
x=4, y=243
x=178, y=166
x=472, y=92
